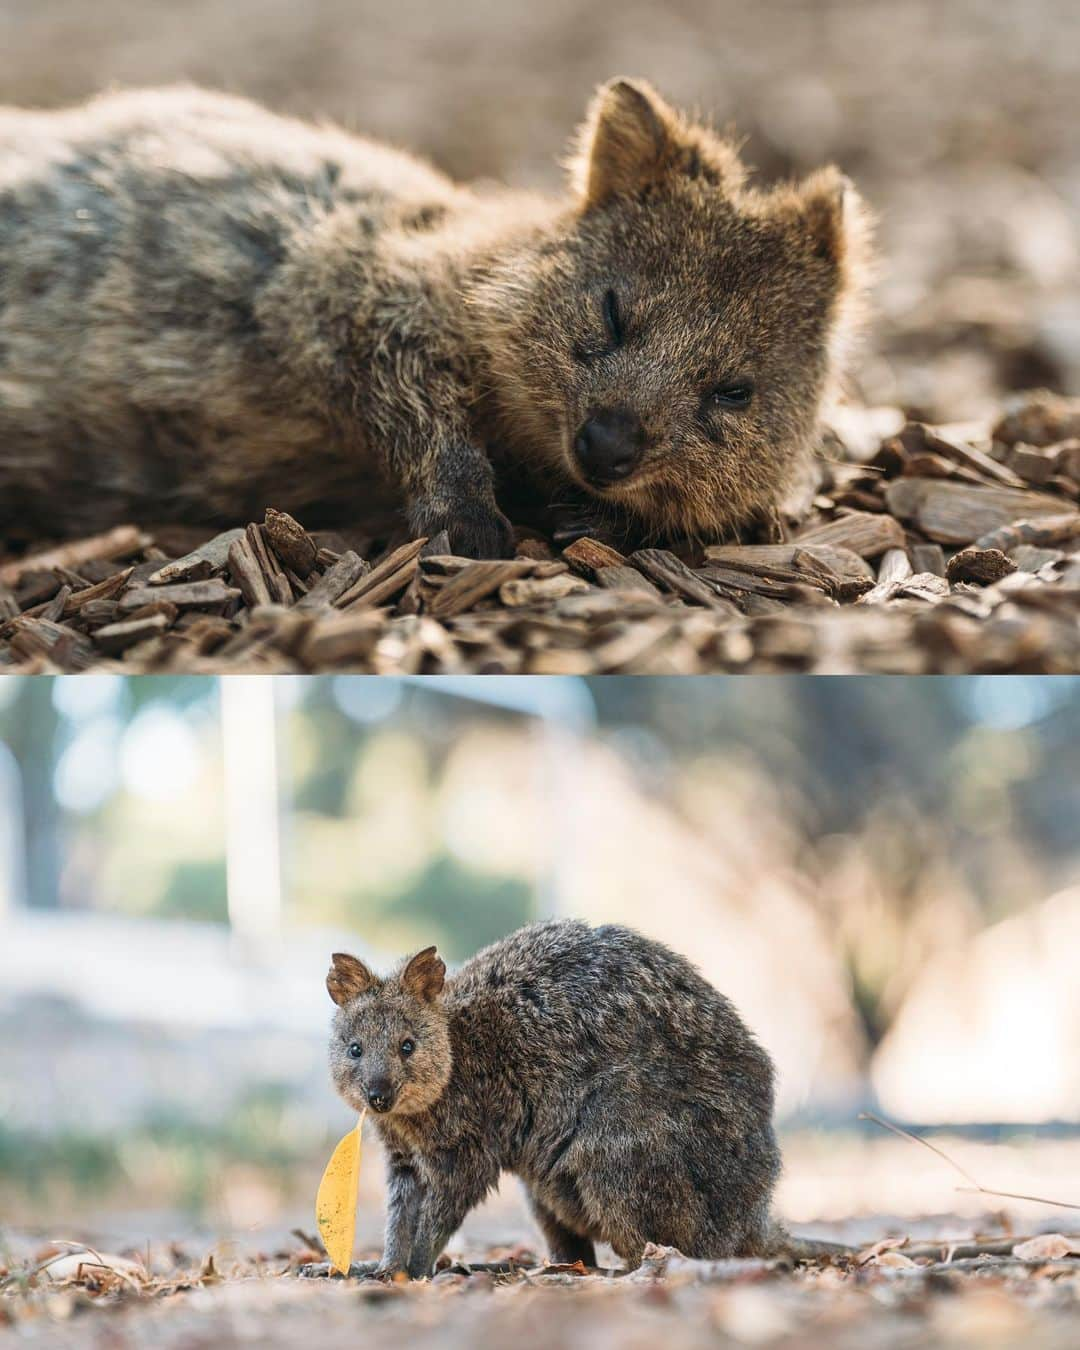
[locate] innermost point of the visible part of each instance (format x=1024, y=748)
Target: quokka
x=206, y=309
x=595, y=1064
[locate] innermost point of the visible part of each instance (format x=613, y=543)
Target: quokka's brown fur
x=206, y=309
x=595, y=1064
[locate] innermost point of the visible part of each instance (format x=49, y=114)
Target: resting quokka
x=595, y=1064
x=206, y=309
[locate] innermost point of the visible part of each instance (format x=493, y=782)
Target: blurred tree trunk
x=32, y=739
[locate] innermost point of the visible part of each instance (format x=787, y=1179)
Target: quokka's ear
x=624, y=142
x=347, y=978
x=840, y=229
x=836, y=219
x=631, y=139
x=425, y=975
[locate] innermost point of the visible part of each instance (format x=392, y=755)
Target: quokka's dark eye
x=737, y=394
x=355, y=1050
x=612, y=320
x=407, y=1047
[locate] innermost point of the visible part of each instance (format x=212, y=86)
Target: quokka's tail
x=802, y=1251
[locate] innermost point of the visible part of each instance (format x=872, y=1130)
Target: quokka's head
x=670, y=345
x=389, y=1046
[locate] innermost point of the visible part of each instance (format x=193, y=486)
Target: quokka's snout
x=608, y=446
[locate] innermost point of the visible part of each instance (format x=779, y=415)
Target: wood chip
x=862, y=532
x=200, y=563
x=956, y=513
x=820, y=560
x=1039, y=418
x=77, y=601
x=589, y=555
x=246, y=573
x=335, y=582
x=292, y=544
x=276, y=582
x=53, y=642
x=387, y=579
x=671, y=574
x=628, y=580
x=520, y=591
x=54, y=608
x=979, y=565
x=344, y=639
x=928, y=558
x=209, y=594
x=895, y=566
x=118, y=543
x=917, y=436
x=118, y=637
x=1057, y=529
x=472, y=584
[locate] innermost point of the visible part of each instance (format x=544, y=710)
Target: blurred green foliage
x=177, y=1157
x=462, y=910
x=196, y=890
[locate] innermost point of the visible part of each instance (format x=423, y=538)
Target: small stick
x=117, y=543
x=973, y=1184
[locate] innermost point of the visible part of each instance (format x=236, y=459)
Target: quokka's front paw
x=476, y=529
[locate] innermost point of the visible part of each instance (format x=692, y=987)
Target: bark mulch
x=923, y=549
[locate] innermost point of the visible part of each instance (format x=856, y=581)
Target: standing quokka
x=206, y=309
x=595, y=1064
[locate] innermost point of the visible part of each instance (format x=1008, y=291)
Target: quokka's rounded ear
x=623, y=144
x=425, y=975
x=835, y=218
x=631, y=139
x=347, y=978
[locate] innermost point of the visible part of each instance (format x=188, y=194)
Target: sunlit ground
x=843, y=1186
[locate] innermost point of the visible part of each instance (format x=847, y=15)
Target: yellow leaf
x=335, y=1203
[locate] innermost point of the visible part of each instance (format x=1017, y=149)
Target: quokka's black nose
x=608, y=446
x=380, y=1098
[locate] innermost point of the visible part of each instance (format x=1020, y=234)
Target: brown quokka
x=595, y=1064
x=206, y=309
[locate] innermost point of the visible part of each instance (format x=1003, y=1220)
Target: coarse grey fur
x=207, y=309
x=593, y=1063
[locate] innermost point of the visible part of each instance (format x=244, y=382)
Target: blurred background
x=883, y=874
x=956, y=117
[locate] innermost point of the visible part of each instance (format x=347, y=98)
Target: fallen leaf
x=335, y=1203
x=884, y=1245
x=82, y=1266
x=565, y=1268
x=896, y=1260
x=1047, y=1247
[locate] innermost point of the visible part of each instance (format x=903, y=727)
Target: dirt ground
x=929, y=1265
x=881, y=1297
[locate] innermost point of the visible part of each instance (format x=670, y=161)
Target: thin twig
x=973, y=1184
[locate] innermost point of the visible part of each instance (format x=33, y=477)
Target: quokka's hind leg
x=564, y=1246
x=630, y=1254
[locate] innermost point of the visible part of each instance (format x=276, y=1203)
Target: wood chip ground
x=945, y=550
